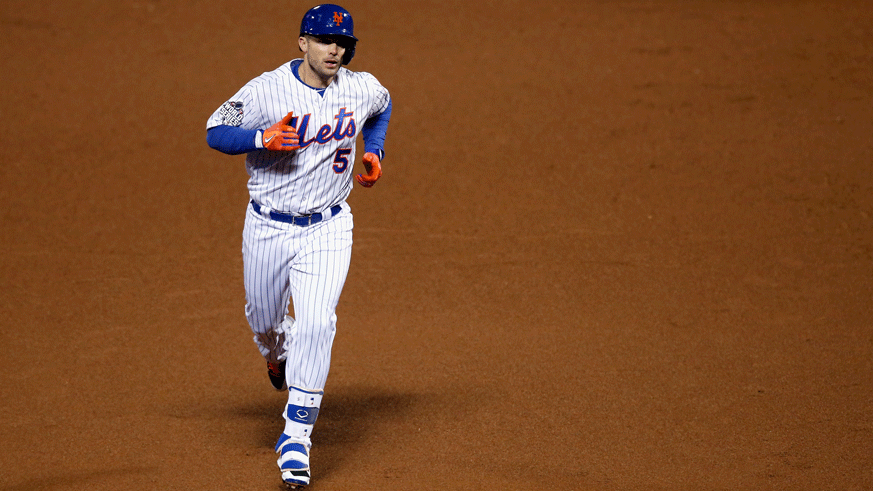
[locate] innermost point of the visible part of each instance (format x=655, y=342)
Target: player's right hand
x=280, y=136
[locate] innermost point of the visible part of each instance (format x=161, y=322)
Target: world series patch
x=231, y=113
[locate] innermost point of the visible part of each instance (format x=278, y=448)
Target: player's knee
x=321, y=327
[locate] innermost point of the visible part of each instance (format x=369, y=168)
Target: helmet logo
x=337, y=18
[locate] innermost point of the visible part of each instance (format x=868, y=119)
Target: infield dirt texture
x=618, y=245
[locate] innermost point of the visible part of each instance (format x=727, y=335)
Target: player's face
x=322, y=56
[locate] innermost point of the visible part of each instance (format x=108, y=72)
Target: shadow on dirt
x=350, y=417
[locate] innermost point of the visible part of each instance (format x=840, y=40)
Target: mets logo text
x=337, y=18
x=327, y=132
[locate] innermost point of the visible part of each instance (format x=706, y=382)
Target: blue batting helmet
x=331, y=20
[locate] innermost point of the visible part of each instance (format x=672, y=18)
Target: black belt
x=301, y=221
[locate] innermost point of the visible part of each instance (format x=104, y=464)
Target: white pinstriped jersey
x=319, y=174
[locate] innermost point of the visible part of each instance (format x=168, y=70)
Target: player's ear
x=301, y=43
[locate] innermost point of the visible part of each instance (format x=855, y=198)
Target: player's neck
x=312, y=79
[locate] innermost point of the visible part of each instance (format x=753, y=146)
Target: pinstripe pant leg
x=267, y=253
x=318, y=273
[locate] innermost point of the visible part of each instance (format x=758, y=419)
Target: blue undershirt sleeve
x=232, y=140
x=374, y=131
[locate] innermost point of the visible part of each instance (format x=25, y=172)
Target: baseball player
x=297, y=126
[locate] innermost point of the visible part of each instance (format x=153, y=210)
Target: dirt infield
x=617, y=246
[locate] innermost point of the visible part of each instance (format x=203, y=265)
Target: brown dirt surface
x=618, y=245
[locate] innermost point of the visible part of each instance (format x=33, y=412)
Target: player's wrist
x=259, y=139
x=378, y=152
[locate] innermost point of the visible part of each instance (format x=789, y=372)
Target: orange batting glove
x=374, y=170
x=280, y=136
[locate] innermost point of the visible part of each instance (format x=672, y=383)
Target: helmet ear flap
x=348, y=55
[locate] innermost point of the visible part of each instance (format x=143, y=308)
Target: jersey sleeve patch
x=231, y=113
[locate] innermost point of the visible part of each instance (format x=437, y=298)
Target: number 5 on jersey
x=341, y=160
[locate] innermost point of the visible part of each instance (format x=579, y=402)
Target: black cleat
x=276, y=372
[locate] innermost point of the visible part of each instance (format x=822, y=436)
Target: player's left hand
x=374, y=170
